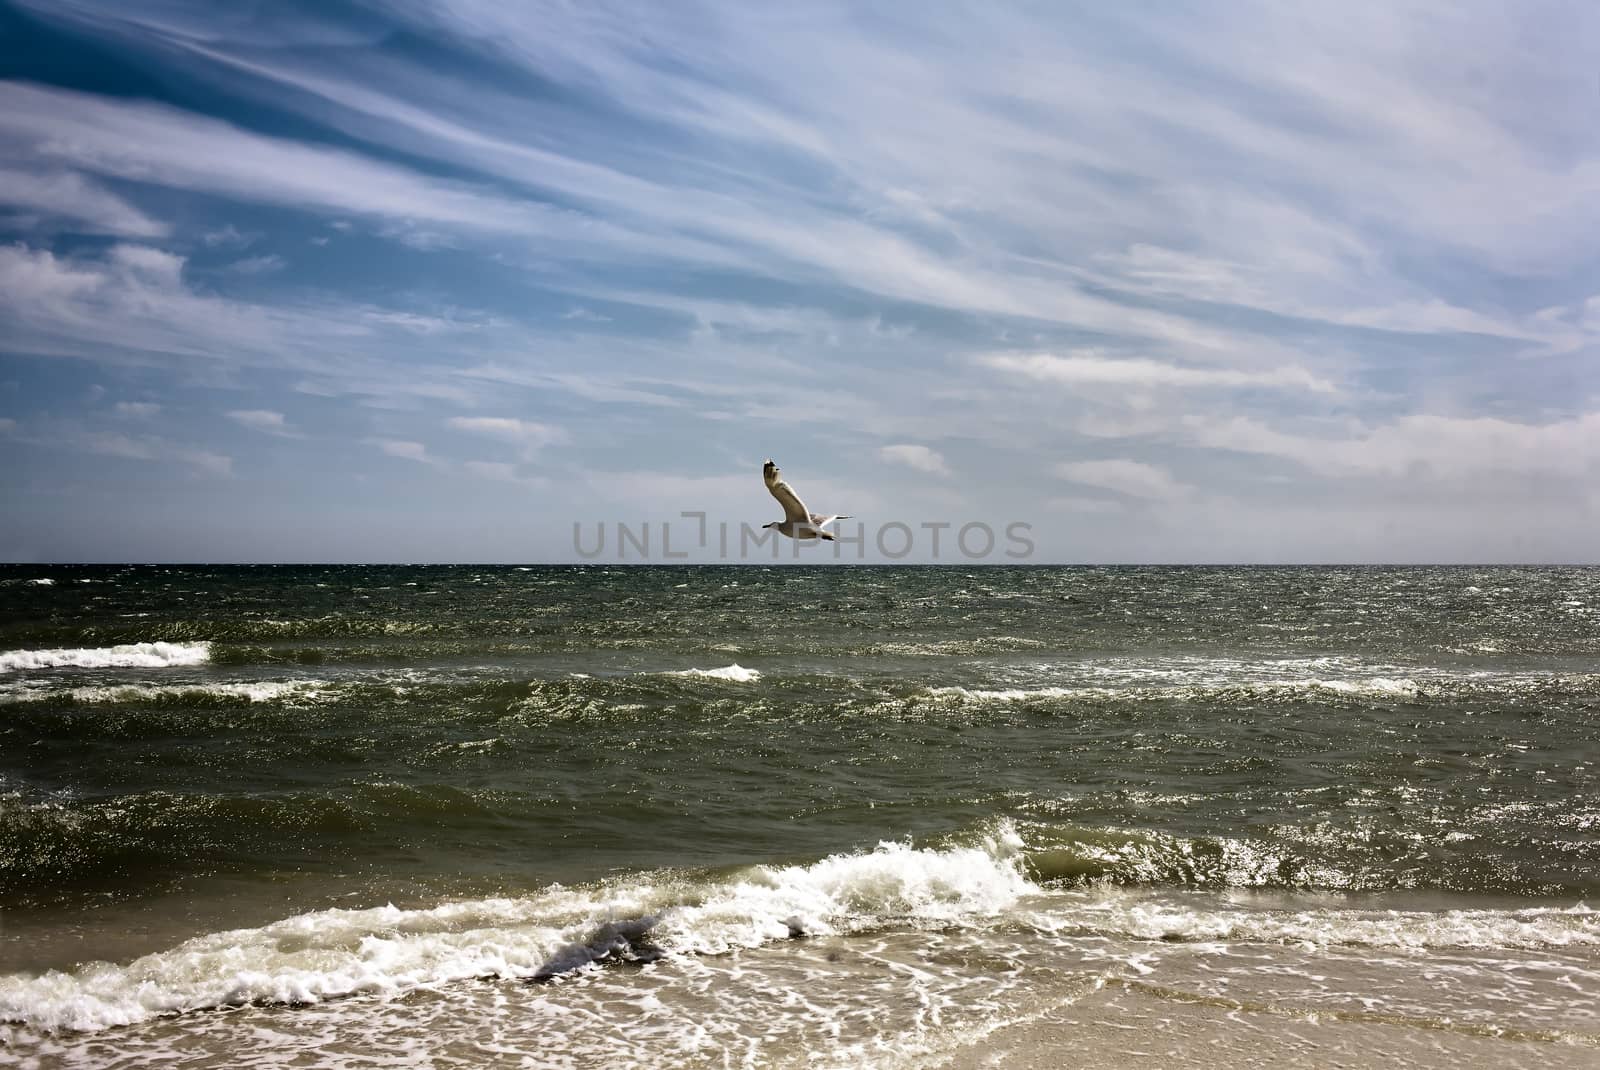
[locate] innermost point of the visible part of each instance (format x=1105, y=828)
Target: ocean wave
x=130, y=655
x=1146, y=857
x=980, y=888
x=736, y=673
x=57, y=847
x=1321, y=858
x=1464, y=854
x=286, y=691
x=335, y=953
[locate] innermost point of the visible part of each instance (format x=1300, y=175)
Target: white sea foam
x=1115, y=913
x=1021, y=694
x=1378, y=685
x=333, y=953
x=736, y=673
x=993, y=644
x=979, y=890
x=249, y=691
x=45, y=581
x=130, y=655
x=1374, y=687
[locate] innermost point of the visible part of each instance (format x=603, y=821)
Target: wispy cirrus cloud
x=160, y=451
x=135, y=305
x=258, y=265
x=529, y=436
x=1124, y=476
x=157, y=144
x=1260, y=251
x=1460, y=450
x=1093, y=369
x=68, y=199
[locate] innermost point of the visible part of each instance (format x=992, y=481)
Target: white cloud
x=921, y=458
x=149, y=265
x=1092, y=369
x=417, y=323
x=265, y=420
x=405, y=450
x=134, y=305
x=133, y=447
x=1309, y=290
x=66, y=195
x=1268, y=98
x=1450, y=449
x=29, y=278
x=157, y=144
x=1099, y=157
x=1070, y=503
x=530, y=436
x=500, y=472
x=628, y=217
x=227, y=236
x=496, y=470
x=137, y=410
x=258, y=265
x=1249, y=230
x=1133, y=478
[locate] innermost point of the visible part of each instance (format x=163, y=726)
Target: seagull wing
x=793, y=507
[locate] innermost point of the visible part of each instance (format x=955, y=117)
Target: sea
x=739, y=816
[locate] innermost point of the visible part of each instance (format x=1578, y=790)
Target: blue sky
x=435, y=281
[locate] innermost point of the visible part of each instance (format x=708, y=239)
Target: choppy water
x=745, y=816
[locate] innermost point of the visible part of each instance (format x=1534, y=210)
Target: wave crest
x=736, y=673
x=245, y=692
x=158, y=655
x=333, y=953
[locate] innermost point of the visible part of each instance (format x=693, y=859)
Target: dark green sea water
x=711, y=760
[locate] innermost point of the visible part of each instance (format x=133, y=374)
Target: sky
x=463, y=280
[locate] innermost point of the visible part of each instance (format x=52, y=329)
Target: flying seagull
x=796, y=522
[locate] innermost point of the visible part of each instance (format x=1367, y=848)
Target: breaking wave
x=736, y=673
x=287, y=691
x=1306, y=858
x=130, y=655
x=982, y=887
x=334, y=953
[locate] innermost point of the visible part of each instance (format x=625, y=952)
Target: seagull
x=796, y=522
